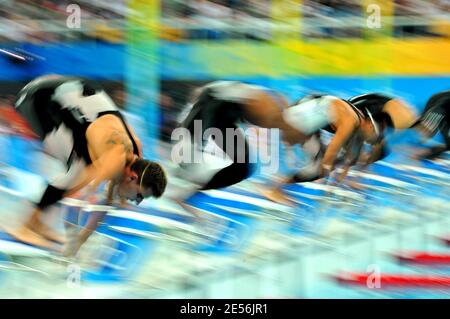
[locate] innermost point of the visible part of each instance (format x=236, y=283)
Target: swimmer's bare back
x=264, y=110
x=105, y=133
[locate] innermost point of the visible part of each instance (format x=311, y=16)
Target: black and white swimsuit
x=220, y=105
x=373, y=103
x=59, y=110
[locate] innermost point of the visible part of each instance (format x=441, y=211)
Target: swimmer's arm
x=341, y=136
x=105, y=168
x=111, y=163
x=123, y=202
x=110, y=195
x=108, y=166
x=352, y=155
x=342, y=175
x=346, y=123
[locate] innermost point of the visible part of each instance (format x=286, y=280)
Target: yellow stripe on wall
x=382, y=56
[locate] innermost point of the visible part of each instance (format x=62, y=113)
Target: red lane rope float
x=424, y=258
x=389, y=281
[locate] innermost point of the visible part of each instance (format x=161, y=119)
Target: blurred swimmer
x=435, y=117
x=223, y=105
x=351, y=130
x=80, y=126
